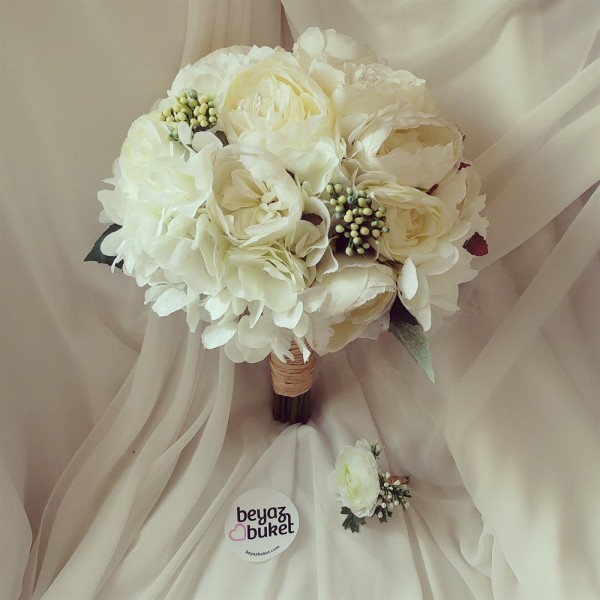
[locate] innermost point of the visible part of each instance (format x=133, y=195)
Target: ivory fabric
x=123, y=442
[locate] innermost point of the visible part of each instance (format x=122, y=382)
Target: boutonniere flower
x=363, y=489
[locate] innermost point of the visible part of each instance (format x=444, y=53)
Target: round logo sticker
x=261, y=524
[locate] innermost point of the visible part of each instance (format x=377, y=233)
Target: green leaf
x=96, y=254
x=352, y=522
x=407, y=329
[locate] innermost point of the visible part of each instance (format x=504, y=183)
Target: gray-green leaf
x=407, y=329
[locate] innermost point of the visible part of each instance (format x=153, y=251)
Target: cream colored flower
x=428, y=281
x=273, y=104
x=211, y=74
x=309, y=240
x=461, y=189
x=419, y=150
x=370, y=91
x=146, y=151
x=417, y=221
x=160, y=187
x=255, y=200
x=356, y=303
x=325, y=54
x=259, y=308
x=269, y=274
x=355, y=479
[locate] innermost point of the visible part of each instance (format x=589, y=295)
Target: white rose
x=255, y=200
x=355, y=479
x=417, y=221
x=275, y=105
x=356, y=303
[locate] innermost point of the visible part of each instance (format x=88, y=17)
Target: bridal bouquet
x=291, y=202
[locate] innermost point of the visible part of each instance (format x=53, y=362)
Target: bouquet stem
x=292, y=381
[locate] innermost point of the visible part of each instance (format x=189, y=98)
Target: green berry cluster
x=360, y=223
x=198, y=111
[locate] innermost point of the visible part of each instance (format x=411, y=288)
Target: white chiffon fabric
x=123, y=442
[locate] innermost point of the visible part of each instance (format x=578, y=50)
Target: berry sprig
x=360, y=221
x=394, y=492
x=198, y=111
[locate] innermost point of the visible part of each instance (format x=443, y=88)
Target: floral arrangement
x=292, y=202
x=363, y=489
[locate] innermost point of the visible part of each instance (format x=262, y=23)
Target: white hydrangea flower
x=159, y=189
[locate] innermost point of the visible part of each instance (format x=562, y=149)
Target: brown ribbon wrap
x=293, y=377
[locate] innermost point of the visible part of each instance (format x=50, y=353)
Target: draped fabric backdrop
x=123, y=442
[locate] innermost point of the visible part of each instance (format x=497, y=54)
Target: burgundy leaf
x=476, y=245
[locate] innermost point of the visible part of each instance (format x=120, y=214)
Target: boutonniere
x=363, y=489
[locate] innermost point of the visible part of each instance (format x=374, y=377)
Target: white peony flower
x=309, y=240
x=355, y=479
x=418, y=149
x=427, y=282
x=461, y=189
x=417, y=221
x=255, y=200
x=275, y=105
x=355, y=302
x=371, y=90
